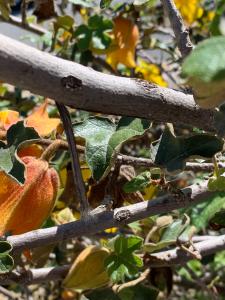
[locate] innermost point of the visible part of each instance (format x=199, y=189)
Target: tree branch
x=30, y=27
x=148, y=163
x=178, y=256
x=77, y=176
x=160, y=259
x=83, y=88
x=181, y=32
x=107, y=219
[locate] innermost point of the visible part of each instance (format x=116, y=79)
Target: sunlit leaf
x=88, y=270
x=103, y=138
x=207, y=79
x=41, y=122
x=123, y=47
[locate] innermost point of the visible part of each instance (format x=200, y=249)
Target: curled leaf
x=88, y=271
x=37, y=195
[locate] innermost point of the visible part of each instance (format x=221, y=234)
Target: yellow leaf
x=111, y=230
x=41, y=122
x=88, y=270
x=150, y=72
x=24, y=208
x=63, y=216
x=126, y=37
x=190, y=10
x=8, y=118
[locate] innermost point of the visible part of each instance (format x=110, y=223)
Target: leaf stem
x=77, y=176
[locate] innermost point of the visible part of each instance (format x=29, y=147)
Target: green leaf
x=217, y=181
x=138, y=292
x=215, y=24
x=5, y=248
x=219, y=219
x=172, y=152
x=105, y=3
x=97, y=132
x=207, y=79
x=83, y=35
x=6, y=261
x=9, y=162
x=104, y=139
x=6, y=264
x=65, y=22
x=169, y=236
x=214, y=204
x=123, y=262
x=137, y=183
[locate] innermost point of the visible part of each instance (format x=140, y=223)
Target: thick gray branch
x=181, y=32
x=83, y=88
x=107, y=219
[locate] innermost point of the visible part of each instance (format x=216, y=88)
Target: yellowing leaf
x=41, y=122
x=189, y=9
x=88, y=270
x=8, y=118
x=63, y=216
x=126, y=36
x=150, y=72
x=24, y=208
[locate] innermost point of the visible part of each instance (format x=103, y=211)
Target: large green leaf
x=104, y=139
x=9, y=162
x=201, y=217
x=204, y=69
x=122, y=262
x=172, y=152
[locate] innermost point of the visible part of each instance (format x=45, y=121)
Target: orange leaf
x=41, y=122
x=31, y=150
x=24, y=208
x=8, y=118
x=126, y=36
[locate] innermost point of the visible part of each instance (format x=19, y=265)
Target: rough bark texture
x=82, y=87
x=107, y=219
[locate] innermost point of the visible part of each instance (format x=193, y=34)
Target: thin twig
x=30, y=27
x=78, y=180
x=181, y=32
x=145, y=162
x=24, y=11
